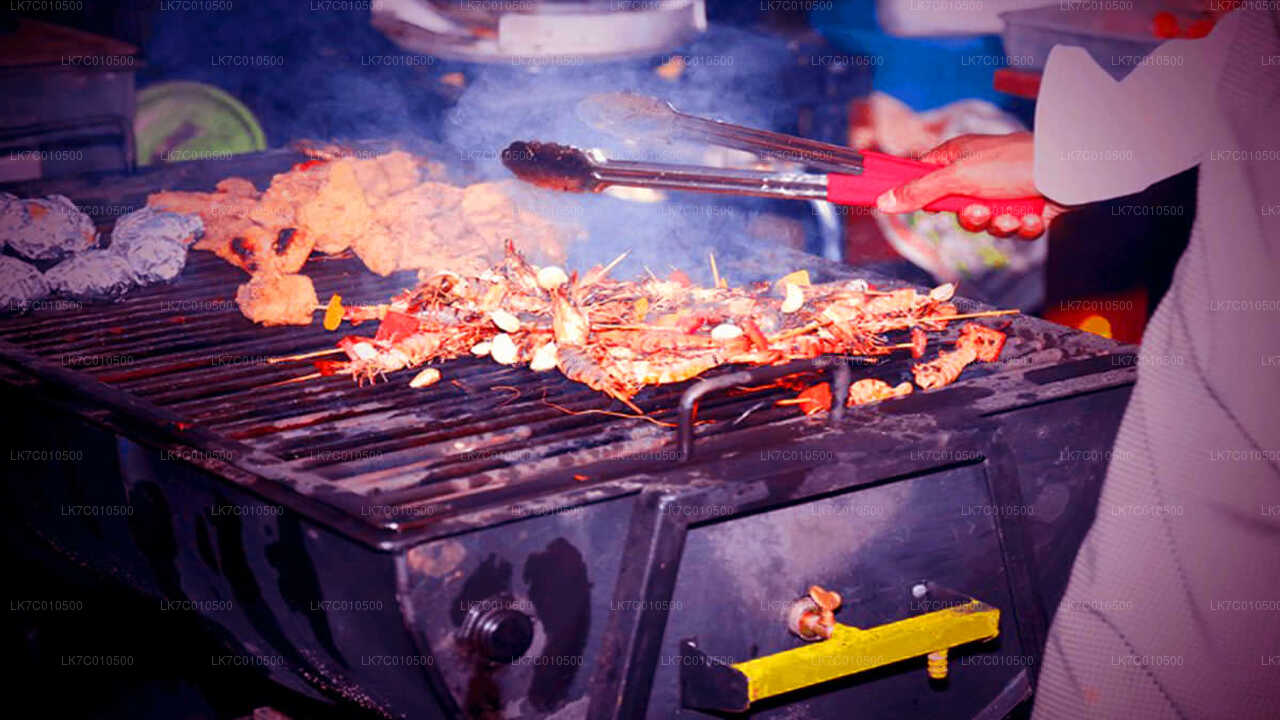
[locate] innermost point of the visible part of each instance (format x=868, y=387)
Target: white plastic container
x=915, y=18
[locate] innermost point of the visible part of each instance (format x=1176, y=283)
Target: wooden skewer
x=715, y=272
x=966, y=316
x=303, y=356
x=611, y=265
x=300, y=378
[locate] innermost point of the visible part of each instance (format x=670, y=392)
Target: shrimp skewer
x=618, y=337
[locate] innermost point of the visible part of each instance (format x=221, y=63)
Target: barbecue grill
x=474, y=550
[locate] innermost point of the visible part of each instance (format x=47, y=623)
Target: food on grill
x=20, y=285
x=257, y=249
x=274, y=298
x=974, y=343
x=44, y=229
x=380, y=208
x=919, y=342
x=92, y=275
x=871, y=390
x=330, y=203
x=618, y=337
x=149, y=224
x=146, y=247
x=155, y=243
x=944, y=369
x=154, y=260
x=986, y=342
x=813, y=400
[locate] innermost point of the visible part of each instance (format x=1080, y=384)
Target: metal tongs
x=851, y=177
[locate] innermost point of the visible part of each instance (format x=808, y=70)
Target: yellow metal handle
x=709, y=684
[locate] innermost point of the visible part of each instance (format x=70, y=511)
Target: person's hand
x=991, y=167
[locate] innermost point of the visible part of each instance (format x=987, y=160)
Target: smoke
x=729, y=74
x=319, y=70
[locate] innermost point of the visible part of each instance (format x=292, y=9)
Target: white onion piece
x=503, y=350
x=725, y=331
x=429, y=376
x=364, y=351
x=505, y=321
x=551, y=277
x=544, y=358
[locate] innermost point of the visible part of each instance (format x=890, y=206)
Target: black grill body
x=386, y=543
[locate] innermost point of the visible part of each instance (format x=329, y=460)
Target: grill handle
x=841, y=378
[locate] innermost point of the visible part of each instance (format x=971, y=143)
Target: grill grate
x=482, y=435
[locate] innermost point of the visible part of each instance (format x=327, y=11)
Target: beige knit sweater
x=1173, y=607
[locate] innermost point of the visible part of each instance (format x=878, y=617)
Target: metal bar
x=1015, y=545
x=792, y=148
x=633, y=637
x=697, y=178
x=689, y=401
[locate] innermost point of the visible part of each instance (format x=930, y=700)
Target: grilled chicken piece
x=385, y=175
x=378, y=250
x=236, y=186
x=224, y=214
x=276, y=299
x=256, y=249
x=338, y=215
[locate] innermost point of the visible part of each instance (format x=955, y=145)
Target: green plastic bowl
x=180, y=121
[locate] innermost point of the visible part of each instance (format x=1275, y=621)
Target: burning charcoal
x=48, y=229
x=151, y=224
x=20, y=285
x=91, y=275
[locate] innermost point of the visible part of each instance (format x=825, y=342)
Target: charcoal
x=20, y=285
x=48, y=229
x=92, y=275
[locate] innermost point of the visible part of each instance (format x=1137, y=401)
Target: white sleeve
x=1096, y=138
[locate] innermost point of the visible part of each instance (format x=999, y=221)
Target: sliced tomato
x=815, y=399
x=396, y=326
